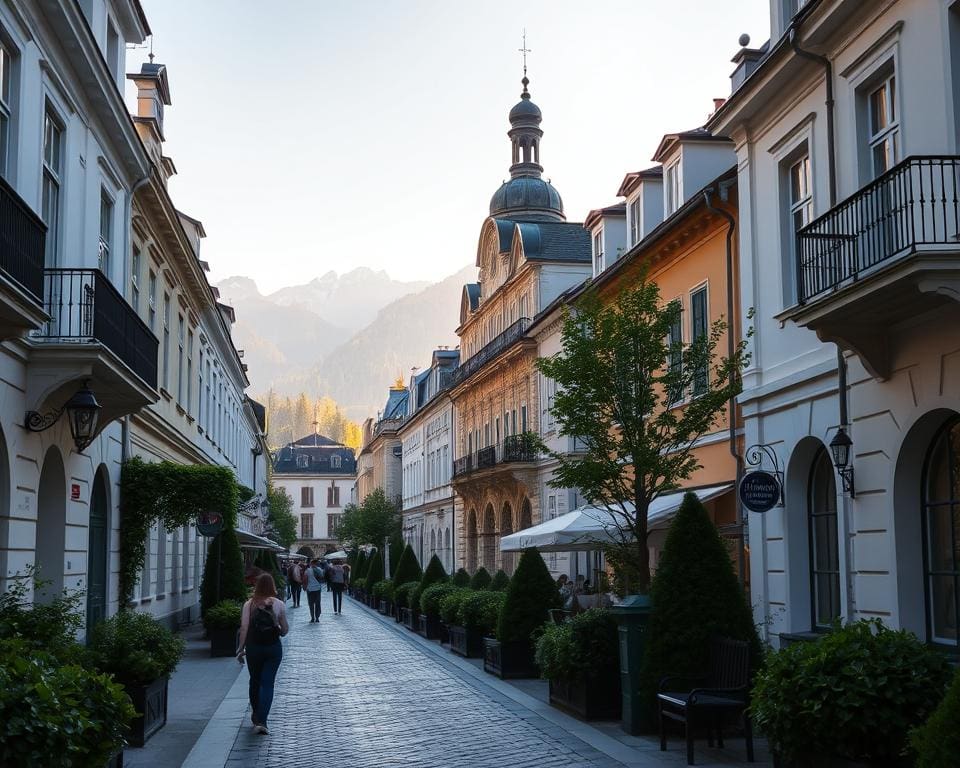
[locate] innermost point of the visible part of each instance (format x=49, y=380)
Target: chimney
x=153, y=93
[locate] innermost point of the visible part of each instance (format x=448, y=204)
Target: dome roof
x=525, y=110
x=527, y=195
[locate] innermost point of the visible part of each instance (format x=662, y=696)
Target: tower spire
x=524, y=51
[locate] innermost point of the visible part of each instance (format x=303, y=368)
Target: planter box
x=465, y=642
x=116, y=761
x=509, y=660
x=223, y=642
x=597, y=700
x=410, y=619
x=150, y=701
x=385, y=607
x=430, y=626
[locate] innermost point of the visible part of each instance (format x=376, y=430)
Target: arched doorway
x=507, y=559
x=51, y=525
x=526, y=515
x=306, y=552
x=823, y=541
x=98, y=550
x=470, y=556
x=490, y=539
x=4, y=493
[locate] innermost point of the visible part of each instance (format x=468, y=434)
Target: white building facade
x=846, y=126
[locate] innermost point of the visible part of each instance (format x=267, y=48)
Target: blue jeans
x=263, y=662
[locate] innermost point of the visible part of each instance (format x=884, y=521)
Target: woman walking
x=263, y=623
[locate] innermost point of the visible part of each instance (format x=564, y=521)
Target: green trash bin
x=633, y=619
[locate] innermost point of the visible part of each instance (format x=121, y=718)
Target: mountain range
x=348, y=337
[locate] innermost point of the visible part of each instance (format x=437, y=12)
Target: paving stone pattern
x=353, y=692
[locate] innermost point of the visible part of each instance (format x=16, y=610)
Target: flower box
x=386, y=608
x=223, y=642
x=430, y=626
x=410, y=619
x=597, y=700
x=150, y=701
x=512, y=659
x=465, y=642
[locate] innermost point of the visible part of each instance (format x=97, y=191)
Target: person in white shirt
x=314, y=585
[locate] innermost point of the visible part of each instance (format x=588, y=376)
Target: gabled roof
x=555, y=241
x=315, y=440
x=617, y=210
x=670, y=139
x=633, y=178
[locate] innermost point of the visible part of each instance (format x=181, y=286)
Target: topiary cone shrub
x=695, y=596
x=481, y=579
x=500, y=582
x=937, y=742
x=530, y=596
x=374, y=571
x=461, y=578
x=396, y=550
x=408, y=569
x=363, y=562
x=232, y=586
x=853, y=695
x=434, y=574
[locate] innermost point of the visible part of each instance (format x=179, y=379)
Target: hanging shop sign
x=760, y=491
x=209, y=523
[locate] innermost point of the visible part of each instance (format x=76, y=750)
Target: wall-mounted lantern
x=840, y=448
x=83, y=413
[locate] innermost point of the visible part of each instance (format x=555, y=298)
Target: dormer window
x=672, y=187
x=598, y=261
x=335, y=462
x=633, y=211
x=303, y=461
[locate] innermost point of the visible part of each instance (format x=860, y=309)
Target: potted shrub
x=500, y=582
x=937, y=742
x=405, y=610
x=461, y=578
x=481, y=579
x=853, y=695
x=407, y=570
x=383, y=596
x=580, y=658
x=374, y=575
x=141, y=654
x=480, y=612
x=462, y=642
x=434, y=573
x=222, y=623
x=430, y=599
x=529, y=598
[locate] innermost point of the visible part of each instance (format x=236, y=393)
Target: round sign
x=759, y=491
x=209, y=523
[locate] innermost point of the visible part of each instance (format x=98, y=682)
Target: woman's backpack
x=263, y=625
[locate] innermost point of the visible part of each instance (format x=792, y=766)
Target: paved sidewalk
x=359, y=690
x=196, y=691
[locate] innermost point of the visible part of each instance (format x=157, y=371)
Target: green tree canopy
x=638, y=399
x=373, y=521
x=280, y=518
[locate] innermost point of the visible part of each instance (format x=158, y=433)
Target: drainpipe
x=841, y=361
x=731, y=344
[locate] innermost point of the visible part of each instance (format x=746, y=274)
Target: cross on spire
x=524, y=50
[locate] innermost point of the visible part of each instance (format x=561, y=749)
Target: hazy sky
x=312, y=135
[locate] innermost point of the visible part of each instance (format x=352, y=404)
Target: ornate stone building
x=528, y=254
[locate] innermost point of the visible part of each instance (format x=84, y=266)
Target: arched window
x=941, y=536
x=824, y=550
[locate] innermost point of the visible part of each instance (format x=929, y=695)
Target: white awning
x=590, y=527
x=252, y=541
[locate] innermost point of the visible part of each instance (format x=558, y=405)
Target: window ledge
x=166, y=395
x=180, y=410
x=146, y=600
x=190, y=419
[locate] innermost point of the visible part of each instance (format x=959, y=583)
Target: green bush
x=360, y=583
x=481, y=610
x=413, y=599
x=408, y=569
x=451, y=606
x=375, y=570
x=383, y=590
x=224, y=615
x=500, y=582
x=461, y=578
x=232, y=586
x=434, y=574
x=695, y=596
x=854, y=694
x=56, y=715
x=363, y=562
x=135, y=648
x=531, y=594
x=481, y=579
x=431, y=597
x=585, y=645
x=50, y=626
x=402, y=593
x=937, y=742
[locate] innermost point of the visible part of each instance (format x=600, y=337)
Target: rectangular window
x=52, y=167
x=166, y=341
x=106, y=226
x=523, y=418
x=113, y=50
x=135, y=280
x=306, y=526
x=335, y=462
x=152, y=301
x=6, y=108
x=598, y=263
x=883, y=126
x=672, y=188
x=333, y=496
x=698, y=330
x=189, y=404
x=200, y=410
x=306, y=497
x=801, y=194
x=635, y=222
x=181, y=367
x=333, y=525
x=675, y=353
x=551, y=394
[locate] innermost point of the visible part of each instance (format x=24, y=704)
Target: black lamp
x=83, y=414
x=840, y=448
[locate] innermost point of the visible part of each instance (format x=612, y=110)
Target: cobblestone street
x=356, y=691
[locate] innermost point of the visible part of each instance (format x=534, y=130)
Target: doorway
x=98, y=555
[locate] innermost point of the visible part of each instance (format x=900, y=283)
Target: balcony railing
x=22, y=236
x=515, y=448
x=84, y=307
x=501, y=342
x=913, y=206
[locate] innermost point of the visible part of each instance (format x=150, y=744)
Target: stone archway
x=98, y=548
x=306, y=552
x=471, y=543
x=490, y=539
x=507, y=559
x=51, y=525
x=526, y=515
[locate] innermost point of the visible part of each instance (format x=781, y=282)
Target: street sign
x=209, y=523
x=760, y=491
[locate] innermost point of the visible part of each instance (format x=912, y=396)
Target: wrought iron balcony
x=513, y=333
x=513, y=449
x=913, y=207
x=22, y=236
x=85, y=308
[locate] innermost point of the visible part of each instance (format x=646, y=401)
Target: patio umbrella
x=341, y=555
x=589, y=527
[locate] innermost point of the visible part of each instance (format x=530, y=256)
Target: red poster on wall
x=75, y=492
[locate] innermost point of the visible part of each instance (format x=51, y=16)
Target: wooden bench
x=709, y=699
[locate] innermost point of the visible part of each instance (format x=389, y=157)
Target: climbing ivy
x=172, y=495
